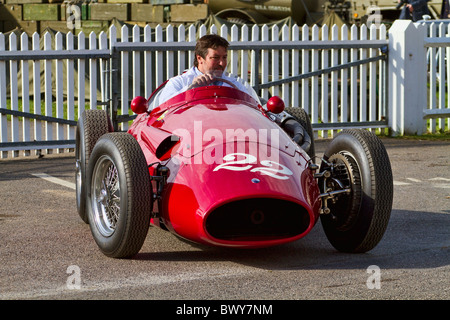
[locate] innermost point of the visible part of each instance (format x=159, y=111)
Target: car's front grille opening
x=257, y=220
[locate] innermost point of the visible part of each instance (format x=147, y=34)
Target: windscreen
x=244, y=86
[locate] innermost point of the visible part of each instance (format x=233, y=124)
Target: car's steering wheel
x=215, y=79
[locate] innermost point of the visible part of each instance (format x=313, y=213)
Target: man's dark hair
x=212, y=41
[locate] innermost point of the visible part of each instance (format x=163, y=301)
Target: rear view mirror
x=275, y=105
x=139, y=105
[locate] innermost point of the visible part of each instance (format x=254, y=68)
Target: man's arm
x=417, y=4
x=175, y=86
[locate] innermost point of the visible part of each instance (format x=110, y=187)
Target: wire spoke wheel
x=119, y=195
x=106, y=196
x=357, y=220
x=346, y=175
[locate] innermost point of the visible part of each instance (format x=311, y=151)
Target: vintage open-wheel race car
x=215, y=166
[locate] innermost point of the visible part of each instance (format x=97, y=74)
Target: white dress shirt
x=180, y=83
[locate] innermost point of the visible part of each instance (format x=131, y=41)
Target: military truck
x=313, y=11
x=264, y=11
x=96, y=15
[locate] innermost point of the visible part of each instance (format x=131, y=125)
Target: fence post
x=407, y=78
x=114, y=78
x=3, y=99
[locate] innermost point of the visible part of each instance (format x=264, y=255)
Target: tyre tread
x=381, y=189
x=138, y=195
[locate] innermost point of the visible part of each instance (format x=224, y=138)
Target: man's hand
x=202, y=80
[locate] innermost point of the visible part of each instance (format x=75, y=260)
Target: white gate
x=338, y=75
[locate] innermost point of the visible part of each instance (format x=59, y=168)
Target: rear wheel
x=359, y=218
x=302, y=117
x=91, y=126
x=119, y=195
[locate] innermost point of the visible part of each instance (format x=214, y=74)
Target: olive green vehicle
x=97, y=15
x=313, y=11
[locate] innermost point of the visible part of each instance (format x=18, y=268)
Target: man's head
x=211, y=54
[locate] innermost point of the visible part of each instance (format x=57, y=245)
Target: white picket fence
x=438, y=54
x=338, y=75
x=307, y=67
x=419, y=74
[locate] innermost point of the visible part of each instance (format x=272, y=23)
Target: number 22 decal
x=268, y=167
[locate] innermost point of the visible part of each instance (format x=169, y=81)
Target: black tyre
x=119, y=195
x=358, y=220
x=91, y=126
x=302, y=117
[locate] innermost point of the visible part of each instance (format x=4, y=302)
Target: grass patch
x=444, y=136
x=42, y=109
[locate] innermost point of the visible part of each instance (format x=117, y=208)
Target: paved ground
x=45, y=248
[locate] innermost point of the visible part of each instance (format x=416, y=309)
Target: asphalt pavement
x=47, y=252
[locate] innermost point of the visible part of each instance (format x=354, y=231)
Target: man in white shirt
x=209, y=69
x=210, y=64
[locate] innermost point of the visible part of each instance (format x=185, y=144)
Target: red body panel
x=236, y=179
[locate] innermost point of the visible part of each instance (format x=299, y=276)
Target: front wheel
x=119, y=195
x=358, y=219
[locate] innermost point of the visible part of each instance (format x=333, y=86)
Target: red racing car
x=214, y=166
